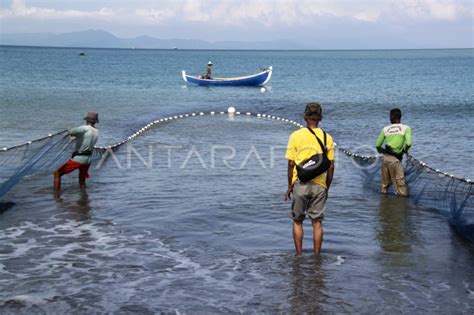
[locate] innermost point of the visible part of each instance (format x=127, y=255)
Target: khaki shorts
x=392, y=173
x=308, y=198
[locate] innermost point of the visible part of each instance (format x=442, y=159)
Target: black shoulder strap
x=323, y=147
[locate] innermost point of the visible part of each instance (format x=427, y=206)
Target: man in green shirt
x=86, y=137
x=397, y=139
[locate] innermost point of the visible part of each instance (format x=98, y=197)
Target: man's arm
x=76, y=131
x=330, y=172
x=408, y=141
x=291, y=167
x=330, y=175
x=380, y=141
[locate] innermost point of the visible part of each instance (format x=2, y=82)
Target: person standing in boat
x=309, y=197
x=86, y=137
x=208, y=74
x=397, y=139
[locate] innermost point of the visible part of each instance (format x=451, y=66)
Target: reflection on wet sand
x=308, y=284
x=79, y=208
x=396, y=231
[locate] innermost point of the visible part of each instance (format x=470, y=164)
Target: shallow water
x=198, y=235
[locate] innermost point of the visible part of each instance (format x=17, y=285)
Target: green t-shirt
x=395, y=136
x=86, y=138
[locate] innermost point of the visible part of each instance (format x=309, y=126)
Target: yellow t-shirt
x=302, y=145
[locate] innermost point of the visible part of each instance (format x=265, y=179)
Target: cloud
x=154, y=16
x=193, y=11
x=447, y=10
x=21, y=10
x=303, y=20
x=266, y=12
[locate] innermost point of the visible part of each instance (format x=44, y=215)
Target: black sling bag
x=315, y=165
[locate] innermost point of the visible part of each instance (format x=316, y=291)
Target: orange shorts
x=71, y=165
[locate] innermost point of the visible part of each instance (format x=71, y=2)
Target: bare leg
x=317, y=236
x=82, y=180
x=57, y=181
x=298, y=236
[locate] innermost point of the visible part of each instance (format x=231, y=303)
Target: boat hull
x=252, y=80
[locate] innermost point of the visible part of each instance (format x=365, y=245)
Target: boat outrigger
x=260, y=78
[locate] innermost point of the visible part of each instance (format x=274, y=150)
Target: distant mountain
x=90, y=38
x=103, y=39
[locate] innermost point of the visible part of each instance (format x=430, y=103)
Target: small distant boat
x=82, y=54
x=260, y=78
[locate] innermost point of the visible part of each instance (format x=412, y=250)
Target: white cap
x=209, y=63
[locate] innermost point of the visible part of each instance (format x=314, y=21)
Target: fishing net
x=44, y=155
x=428, y=188
x=36, y=157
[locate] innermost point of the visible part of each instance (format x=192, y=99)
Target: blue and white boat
x=255, y=79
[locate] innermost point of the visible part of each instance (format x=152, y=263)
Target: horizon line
x=234, y=49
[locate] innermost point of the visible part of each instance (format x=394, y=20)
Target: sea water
x=190, y=216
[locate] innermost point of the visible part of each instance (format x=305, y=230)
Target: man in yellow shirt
x=309, y=197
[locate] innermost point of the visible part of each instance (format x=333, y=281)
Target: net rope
x=428, y=187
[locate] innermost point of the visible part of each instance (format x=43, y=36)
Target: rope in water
x=258, y=115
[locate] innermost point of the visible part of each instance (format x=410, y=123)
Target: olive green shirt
x=86, y=138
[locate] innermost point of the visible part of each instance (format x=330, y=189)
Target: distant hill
x=103, y=39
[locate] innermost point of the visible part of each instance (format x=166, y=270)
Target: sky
x=333, y=24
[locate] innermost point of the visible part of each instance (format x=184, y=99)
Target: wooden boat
x=255, y=79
